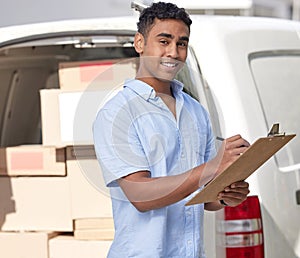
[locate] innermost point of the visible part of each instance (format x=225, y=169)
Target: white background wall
x=14, y=12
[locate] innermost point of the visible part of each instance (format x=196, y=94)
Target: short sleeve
x=117, y=145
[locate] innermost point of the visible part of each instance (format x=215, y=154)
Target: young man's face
x=164, y=51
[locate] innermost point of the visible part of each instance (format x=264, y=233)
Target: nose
x=172, y=50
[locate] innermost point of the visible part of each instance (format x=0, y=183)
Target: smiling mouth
x=169, y=64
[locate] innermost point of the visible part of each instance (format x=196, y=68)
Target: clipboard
x=255, y=156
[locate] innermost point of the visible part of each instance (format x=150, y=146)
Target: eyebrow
x=167, y=35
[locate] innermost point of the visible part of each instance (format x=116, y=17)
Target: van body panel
x=235, y=56
x=21, y=33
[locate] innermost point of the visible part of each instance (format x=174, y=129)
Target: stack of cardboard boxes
x=53, y=201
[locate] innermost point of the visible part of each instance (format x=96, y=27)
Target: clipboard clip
x=274, y=131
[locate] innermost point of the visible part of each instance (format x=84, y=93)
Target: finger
x=234, y=138
x=241, y=184
x=237, y=137
x=238, y=150
x=237, y=141
x=232, y=197
x=233, y=201
x=237, y=185
x=240, y=143
x=228, y=191
x=238, y=190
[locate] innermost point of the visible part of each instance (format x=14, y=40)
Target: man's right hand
x=229, y=152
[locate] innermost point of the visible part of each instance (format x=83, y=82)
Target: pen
x=220, y=138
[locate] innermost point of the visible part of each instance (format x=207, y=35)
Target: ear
x=139, y=42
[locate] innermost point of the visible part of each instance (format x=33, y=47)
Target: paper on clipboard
x=255, y=156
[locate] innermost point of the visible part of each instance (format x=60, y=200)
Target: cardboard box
x=69, y=247
x=67, y=117
x=99, y=75
x=94, y=234
x=77, y=113
x=89, y=196
x=81, y=152
x=35, y=204
x=25, y=245
x=32, y=160
x=50, y=117
x=94, y=229
x=93, y=223
x=68, y=113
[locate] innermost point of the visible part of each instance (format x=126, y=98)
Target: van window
x=277, y=80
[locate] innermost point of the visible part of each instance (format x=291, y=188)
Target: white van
x=244, y=70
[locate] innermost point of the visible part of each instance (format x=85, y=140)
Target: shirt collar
x=147, y=92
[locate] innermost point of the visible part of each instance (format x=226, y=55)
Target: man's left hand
x=235, y=194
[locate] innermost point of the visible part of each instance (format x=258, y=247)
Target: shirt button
x=189, y=242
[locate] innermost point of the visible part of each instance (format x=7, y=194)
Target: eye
x=163, y=42
x=182, y=44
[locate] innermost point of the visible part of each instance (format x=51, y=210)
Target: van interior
x=28, y=67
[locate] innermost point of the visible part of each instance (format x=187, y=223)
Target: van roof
x=127, y=26
x=124, y=25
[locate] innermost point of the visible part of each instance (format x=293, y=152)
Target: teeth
x=169, y=64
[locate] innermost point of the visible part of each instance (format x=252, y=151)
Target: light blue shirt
x=136, y=131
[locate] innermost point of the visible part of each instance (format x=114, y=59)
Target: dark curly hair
x=161, y=10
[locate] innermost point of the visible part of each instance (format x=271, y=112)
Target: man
x=156, y=148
